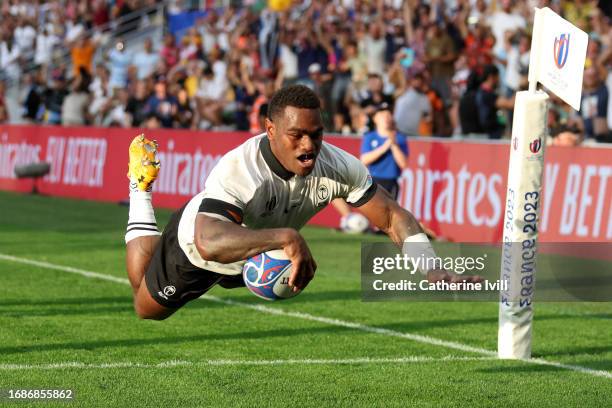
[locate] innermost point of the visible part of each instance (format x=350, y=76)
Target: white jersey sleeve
x=228, y=189
x=355, y=183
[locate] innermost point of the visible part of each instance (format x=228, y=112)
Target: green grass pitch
x=325, y=348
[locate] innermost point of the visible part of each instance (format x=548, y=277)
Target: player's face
x=295, y=138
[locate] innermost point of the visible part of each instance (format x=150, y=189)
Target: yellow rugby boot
x=143, y=165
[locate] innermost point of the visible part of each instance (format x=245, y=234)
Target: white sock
x=141, y=219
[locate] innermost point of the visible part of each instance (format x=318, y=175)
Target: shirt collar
x=272, y=161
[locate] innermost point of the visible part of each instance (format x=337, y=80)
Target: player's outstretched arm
x=401, y=226
x=225, y=242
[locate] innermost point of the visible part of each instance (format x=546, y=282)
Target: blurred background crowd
x=446, y=67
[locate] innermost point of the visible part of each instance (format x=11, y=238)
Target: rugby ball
x=354, y=223
x=267, y=275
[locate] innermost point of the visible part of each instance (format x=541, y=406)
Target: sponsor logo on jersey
x=270, y=206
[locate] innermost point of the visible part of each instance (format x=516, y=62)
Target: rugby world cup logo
x=536, y=145
x=561, y=50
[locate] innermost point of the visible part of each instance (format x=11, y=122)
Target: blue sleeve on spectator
x=602, y=102
x=365, y=143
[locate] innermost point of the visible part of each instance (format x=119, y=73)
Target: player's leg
x=142, y=235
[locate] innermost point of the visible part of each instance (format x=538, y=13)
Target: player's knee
x=145, y=314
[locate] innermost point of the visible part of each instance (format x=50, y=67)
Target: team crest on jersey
x=322, y=192
x=322, y=195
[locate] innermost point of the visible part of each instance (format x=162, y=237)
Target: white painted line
x=62, y=268
x=334, y=322
x=357, y=326
x=182, y=363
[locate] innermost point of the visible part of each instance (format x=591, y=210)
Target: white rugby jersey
x=250, y=187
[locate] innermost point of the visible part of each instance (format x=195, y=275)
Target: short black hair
x=489, y=71
x=298, y=96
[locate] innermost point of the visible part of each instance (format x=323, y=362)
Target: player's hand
x=438, y=275
x=303, y=264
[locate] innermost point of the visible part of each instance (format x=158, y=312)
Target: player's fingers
x=310, y=272
x=307, y=275
x=295, y=272
x=302, y=272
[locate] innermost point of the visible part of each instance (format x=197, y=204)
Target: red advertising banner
x=456, y=188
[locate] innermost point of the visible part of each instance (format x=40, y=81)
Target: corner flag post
x=557, y=61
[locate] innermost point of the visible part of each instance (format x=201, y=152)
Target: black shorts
x=390, y=185
x=171, y=279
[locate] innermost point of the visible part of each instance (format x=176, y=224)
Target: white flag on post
x=558, y=52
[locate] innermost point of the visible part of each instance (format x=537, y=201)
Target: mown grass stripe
x=182, y=363
x=305, y=316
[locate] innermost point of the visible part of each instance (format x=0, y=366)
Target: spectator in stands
x=412, y=108
x=288, y=60
x=146, y=60
x=4, y=117
x=262, y=90
x=152, y=121
x=517, y=61
x=504, y=20
x=25, y=37
x=373, y=45
x=101, y=94
x=185, y=117
x=75, y=104
x=479, y=42
x=53, y=98
x=119, y=61
x=100, y=13
x=82, y=52
x=440, y=124
x=136, y=106
x=191, y=47
x=32, y=103
x=594, y=106
x=440, y=57
x=118, y=115
x=10, y=57
x=268, y=38
x=373, y=97
x=488, y=102
x=169, y=53
x=209, y=29
x=46, y=42
x=74, y=28
x=385, y=150
x=163, y=105
x=345, y=41
x=468, y=110
x=309, y=51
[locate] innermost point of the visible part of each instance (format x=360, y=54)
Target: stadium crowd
x=447, y=67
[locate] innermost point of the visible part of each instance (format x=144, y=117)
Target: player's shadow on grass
x=592, y=363
x=202, y=339
x=65, y=301
x=242, y=295
x=65, y=306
